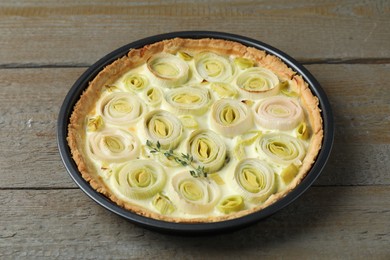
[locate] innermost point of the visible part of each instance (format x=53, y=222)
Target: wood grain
x=74, y=33
x=67, y=224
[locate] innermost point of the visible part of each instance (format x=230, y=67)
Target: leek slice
x=135, y=82
x=232, y=203
x=278, y=112
x=256, y=83
x=289, y=173
x=194, y=195
x=188, y=100
x=163, y=204
x=213, y=67
x=121, y=108
x=153, y=96
x=184, y=55
x=224, y=90
x=189, y=121
x=168, y=70
x=245, y=140
x=230, y=117
x=281, y=148
x=95, y=123
x=286, y=90
x=244, y=63
x=208, y=149
x=254, y=180
x=163, y=127
x=139, y=179
x=113, y=145
x=302, y=131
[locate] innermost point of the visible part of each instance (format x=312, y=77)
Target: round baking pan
x=193, y=228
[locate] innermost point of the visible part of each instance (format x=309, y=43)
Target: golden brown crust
x=135, y=57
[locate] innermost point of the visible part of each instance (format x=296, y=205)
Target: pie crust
x=86, y=107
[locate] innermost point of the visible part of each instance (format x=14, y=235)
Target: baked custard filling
x=188, y=130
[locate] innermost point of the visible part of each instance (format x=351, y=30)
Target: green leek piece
x=95, y=123
x=302, y=131
x=184, y=55
x=224, y=90
x=163, y=204
x=286, y=90
x=244, y=63
x=189, y=121
x=153, y=96
x=289, y=173
x=230, y=204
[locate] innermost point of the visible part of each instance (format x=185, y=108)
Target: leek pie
x=195, y=130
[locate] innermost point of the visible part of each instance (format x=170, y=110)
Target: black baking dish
x=194, y=228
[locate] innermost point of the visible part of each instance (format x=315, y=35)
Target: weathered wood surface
x=46, y=45
x=71, y=33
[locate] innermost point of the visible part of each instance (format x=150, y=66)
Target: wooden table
x=46, y=45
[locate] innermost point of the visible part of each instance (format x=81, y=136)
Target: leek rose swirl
x=113, y=145
x=254, y=180
x=163, y=127
x=208, y=149
x=168, y=70
x=213, y=67
x=281, y=148
x=188, y=100
x=139, y=179
x=121, y=108
x=135, y=82
x=194, y=195
x=256, y=83
x=278, y=112
x=230, y=117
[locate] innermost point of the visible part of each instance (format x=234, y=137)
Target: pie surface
x=203, y=130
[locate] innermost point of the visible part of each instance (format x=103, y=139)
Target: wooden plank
x=30, y=100
x=325, y=223
x=40, y=33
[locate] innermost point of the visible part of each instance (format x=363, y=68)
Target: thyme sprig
x=182, y=159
